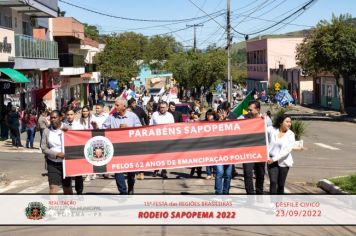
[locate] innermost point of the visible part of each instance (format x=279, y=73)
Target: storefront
x=329, y=93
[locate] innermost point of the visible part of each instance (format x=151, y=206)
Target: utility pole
x=195, y=34
x=228, y=28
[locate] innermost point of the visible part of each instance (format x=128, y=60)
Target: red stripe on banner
x=186, y=130
x=176, y=160
x=78, y=167
x=77, y=137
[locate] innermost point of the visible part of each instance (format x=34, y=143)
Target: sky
x=247, y=17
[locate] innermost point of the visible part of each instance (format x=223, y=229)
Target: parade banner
x=178, y=210
x=164, y=147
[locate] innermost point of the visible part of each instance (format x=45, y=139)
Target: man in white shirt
x=162, y=117
x=99, y=116
x=71, y=124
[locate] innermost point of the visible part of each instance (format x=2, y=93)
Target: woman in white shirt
x=280, y=143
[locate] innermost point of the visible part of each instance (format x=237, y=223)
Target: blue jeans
x=223, y=172
x=209, y=170
x=120, y=182
x=30, y=137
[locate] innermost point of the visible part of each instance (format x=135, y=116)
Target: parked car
x=185, y=109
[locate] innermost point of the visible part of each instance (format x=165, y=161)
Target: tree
x=330, y=47
x=158, y=50
x=91, y=31
x=196, y=69
x=121, y=56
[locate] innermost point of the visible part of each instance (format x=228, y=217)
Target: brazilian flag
x=242, y=108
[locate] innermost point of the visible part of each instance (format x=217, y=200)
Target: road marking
x=36, y=189
x=110, y=187
x=13, y=185
x=326, y=146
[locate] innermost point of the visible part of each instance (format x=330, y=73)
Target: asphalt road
x=329, y=151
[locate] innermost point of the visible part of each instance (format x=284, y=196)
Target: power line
x=302, y=9
x=214, y=19
x=275, y=19
x=134, y=19
x=257, y=9
x=155, y=26
x=273, y=7
x=268, y=20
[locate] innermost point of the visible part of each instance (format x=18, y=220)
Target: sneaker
x=87, y=179
x=141, y=176
x=208, y=177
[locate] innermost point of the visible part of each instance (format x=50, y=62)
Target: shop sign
x=7, y=87
x=7, y=39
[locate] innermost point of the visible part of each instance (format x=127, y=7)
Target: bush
x=298, y=128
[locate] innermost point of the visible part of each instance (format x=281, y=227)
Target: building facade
x=33, y=54
x=266, y=54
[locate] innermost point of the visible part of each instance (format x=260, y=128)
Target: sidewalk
x=317, y=113
x=6, y=146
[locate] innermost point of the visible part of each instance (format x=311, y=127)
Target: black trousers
x=277, y=177
x=79, y=186
x=259, y=168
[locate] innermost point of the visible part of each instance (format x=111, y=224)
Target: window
x=26, y=28
x=7, y=21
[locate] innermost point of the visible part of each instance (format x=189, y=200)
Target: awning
x=15, y=75
x=40, y=93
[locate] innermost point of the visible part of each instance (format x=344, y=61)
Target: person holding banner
x=71, y=124
x=254, y=108
x=52, y=148
x=223, y=171
x=162, y=116
x=122, y=118
x=280, y=142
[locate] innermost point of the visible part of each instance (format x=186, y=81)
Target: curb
x=329, y=187
x=20, y=151
x=3, y=178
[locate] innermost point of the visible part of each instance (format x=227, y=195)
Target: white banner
x=177, y=210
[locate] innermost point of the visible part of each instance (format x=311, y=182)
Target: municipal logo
x=35, y=211
x=98, y=151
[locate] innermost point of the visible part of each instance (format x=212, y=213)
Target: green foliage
x=91, y=31
x=239, y=65
x=124, y=52
x=330, y=47
x=299, y=128
x=193, y=69
x=347, y=183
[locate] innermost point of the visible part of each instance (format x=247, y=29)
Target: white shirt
x=158, y=118
x=280, y=148
x=100, y=119
x=55, y=142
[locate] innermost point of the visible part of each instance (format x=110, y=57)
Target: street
x=329, y=152
x=329, y=148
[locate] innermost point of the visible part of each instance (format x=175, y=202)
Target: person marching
x=280, y=142
x=122, y=118
x=254, y=108
x=52, y=148
x=161, y=117
x=71, y=124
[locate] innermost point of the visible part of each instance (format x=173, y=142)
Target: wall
x=306, y=91
x=252, y=46
x=67, y=26
x=282, y=51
